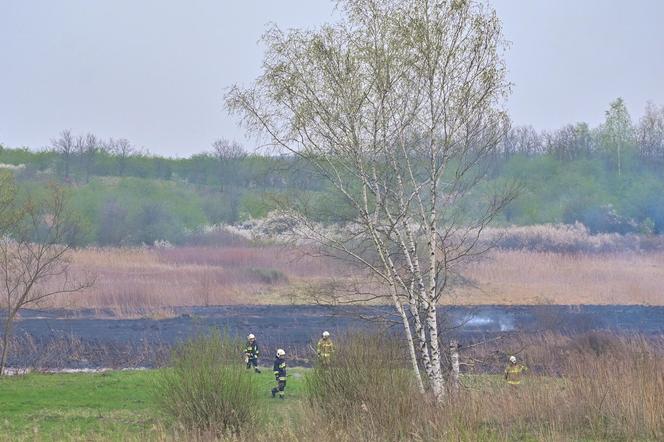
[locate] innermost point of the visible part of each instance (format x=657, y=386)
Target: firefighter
x=280, y=373
x=251, y=353
x=513, y=371
x=325, y=348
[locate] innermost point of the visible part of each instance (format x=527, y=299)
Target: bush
x=562, y=238
x=207, y=389
x=368, y=389
x=266, y=276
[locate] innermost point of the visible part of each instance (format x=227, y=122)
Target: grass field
x=62, y=406
x=121, y=405
x=116, y=405
x=599, y=389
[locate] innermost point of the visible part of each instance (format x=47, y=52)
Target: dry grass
x=526, y=277
x=139, y=280
x=135, y=281
x=615, y=395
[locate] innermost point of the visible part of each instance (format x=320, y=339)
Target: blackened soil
x=81, y=339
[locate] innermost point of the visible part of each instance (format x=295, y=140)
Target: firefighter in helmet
x=251, y=353
x=514, y=371
x=279, y=373
x=325, y=348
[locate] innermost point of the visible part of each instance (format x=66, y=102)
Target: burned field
x=63, y=339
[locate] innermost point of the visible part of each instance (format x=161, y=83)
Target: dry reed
x=153, y=280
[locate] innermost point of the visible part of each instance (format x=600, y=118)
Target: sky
x=155, y=71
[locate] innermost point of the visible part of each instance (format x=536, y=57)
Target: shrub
x=266, y=276
x=368, y=389
x=562, y=238
x=206, y=388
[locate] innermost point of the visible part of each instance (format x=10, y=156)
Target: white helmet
x=281, y=352
x=513, y=359
x=326, y=334
x=251, y=336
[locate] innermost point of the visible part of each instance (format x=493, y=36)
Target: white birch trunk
x=411, y=348
x=437, y=380
x=454, y=358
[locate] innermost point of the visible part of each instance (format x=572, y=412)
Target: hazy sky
x=155, y=71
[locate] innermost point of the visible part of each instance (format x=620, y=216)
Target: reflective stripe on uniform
x=513, y=373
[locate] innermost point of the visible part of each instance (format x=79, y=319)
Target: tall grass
x=136, y=281
x=207, y=389
x=529, y=277
x=614, y=391
x=367, y=387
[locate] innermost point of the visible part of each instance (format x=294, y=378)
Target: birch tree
x=617, y=133
x=650, y=133
x=399, y=106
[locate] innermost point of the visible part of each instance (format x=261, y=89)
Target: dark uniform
x=280, y=377
x=251, y=355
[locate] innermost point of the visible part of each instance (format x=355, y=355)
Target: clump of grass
x=207, y=389
x=620, y=390
x=367, y=387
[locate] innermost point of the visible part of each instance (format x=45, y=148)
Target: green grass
x=109, y=406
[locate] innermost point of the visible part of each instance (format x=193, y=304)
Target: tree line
x=78, y=157
x=616, y=138
x=609, y=177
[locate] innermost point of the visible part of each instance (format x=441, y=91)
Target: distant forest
x=610, y=178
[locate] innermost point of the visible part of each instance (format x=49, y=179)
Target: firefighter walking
x=325, y=349
x=514, y=371
x=251, y=353
x=279, y=373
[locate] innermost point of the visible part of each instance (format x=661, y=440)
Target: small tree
x=122, y=149
x=570, y=142
x=34, y=254
x=228, y=154
x=650, y=133
x=617, y=133
x=65, y=147
x=399, y=107
x=87, y=148
x=522, y=140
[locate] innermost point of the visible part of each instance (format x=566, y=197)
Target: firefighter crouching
x=514, y=371
x=280, y=373
x=251, y=353
x=325, y=349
